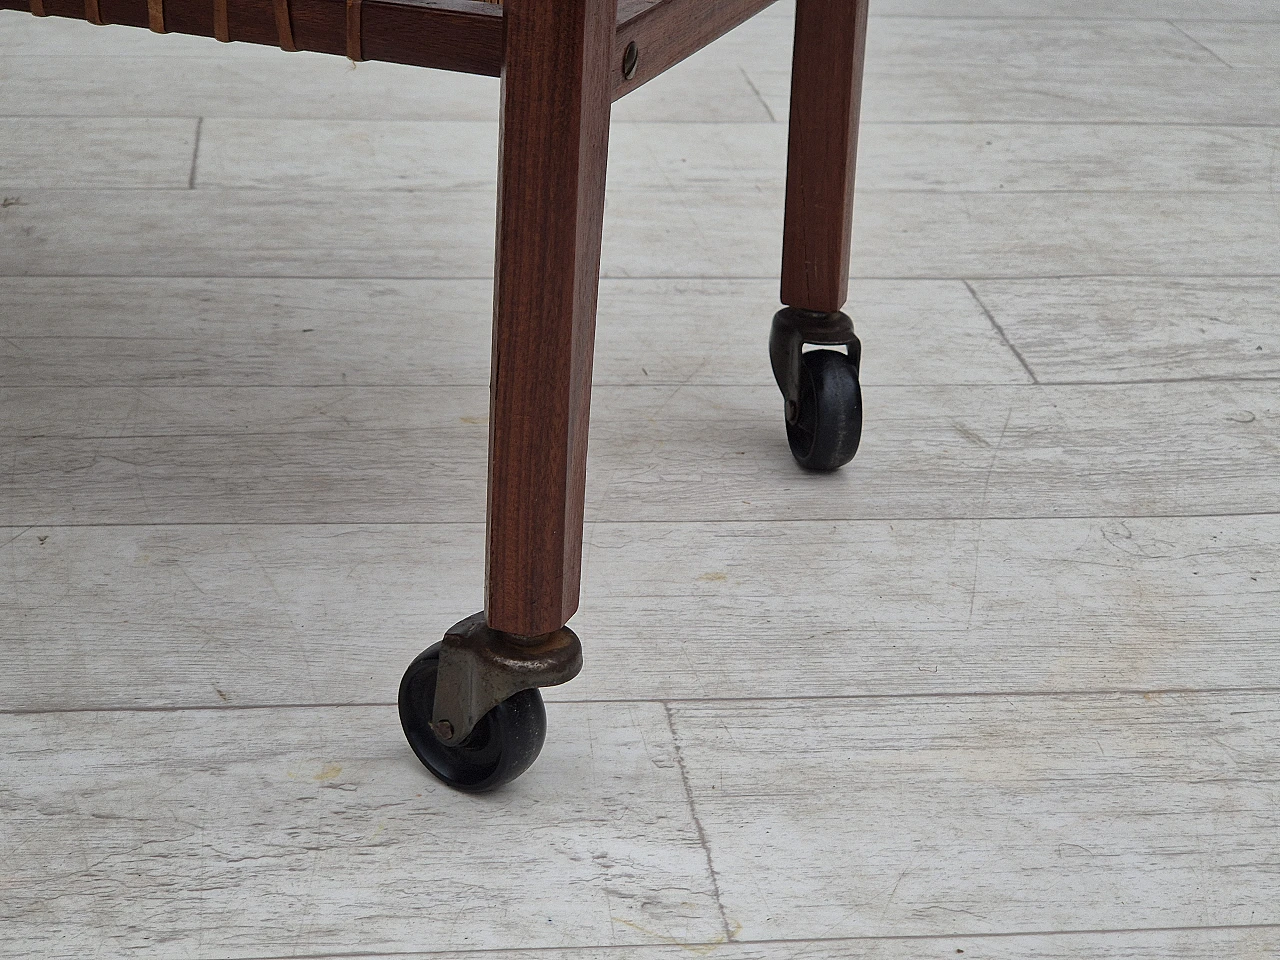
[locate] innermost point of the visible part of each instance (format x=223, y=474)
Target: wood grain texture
x=238, y=81
x=988, y=814
x=906, y=43
x=555, y=143
x=648, y=233
x=664, y=453
x=960, y=157
x=214, y=616
x=1089, y=330
x=315, y=827
x=1247, y=943
x=985, y=93
x=1239, y=10
x=325, y=87
x=665, y=32
x=175, y=332
x=826, y=96
x=1134, y=808
x=259, y=82
x=127, y=152
x=1254, y=47
x=458, y=35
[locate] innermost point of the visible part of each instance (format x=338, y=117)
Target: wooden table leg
x=826, y=91
x=556, y=92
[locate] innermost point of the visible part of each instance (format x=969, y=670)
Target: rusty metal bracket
x=480, y=667
x=792, y=329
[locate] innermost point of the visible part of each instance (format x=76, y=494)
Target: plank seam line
x=316, y=118
x=599, y=384
x=666, y=702
x=1051, y=16
x=610, y=948
x=624, y=277
x=769, y=184
x=723, y=521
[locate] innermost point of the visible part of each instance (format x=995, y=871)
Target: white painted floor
x=1007, y=687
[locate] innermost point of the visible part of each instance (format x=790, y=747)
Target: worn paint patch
x=325, y=773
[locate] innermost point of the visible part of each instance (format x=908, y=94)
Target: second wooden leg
x=555, y=133
x=826, y=91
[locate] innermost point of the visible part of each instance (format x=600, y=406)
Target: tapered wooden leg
x=826, y=91
x=556, y=94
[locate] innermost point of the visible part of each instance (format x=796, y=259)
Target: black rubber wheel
x=503, y=745
x=828, y=424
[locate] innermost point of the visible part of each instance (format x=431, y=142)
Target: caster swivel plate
x=821, y=390
x=470, y=707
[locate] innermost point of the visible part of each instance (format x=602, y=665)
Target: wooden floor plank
x=1254, y=46
x=95, y=152
x=149, y=809
x=203, y=834
x=981, y=93
x=1025, y=42
x=318, y=87
x=648, y=233
x=1012, y=673
x=1107, y=330
x=251, y=81
x=436, y=156
x=955, y=38
x=1242, y=10
x=190, y=455
x=305, y=85
x=176, y=332
x=242, y=616
x=1246, y=943
x=982, y=815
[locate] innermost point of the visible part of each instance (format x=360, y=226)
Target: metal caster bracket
x=480, y=668
x=792, y=329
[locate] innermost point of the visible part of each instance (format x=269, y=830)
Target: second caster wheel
x=827, y=426
x=503, y=745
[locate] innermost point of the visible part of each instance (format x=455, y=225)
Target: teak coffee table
x=470, y=705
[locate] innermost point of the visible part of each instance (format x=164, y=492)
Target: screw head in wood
x=630, y=60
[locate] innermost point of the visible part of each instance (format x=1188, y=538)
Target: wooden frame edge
x=464, y=36
x=668, y=31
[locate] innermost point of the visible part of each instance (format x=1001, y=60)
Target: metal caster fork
x=470, y=706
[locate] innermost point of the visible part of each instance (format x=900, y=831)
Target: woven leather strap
x=155, y=15
x=220, y=31
x=284, y=26
x=354, y=30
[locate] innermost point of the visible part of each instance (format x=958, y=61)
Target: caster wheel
x=503, y=745
x=828, y=423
